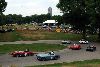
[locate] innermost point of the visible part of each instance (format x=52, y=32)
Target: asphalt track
x=67, y=55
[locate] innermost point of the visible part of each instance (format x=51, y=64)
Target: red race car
x=75, y=47
x=22, y=53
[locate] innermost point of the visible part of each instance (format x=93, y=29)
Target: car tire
x=31, y=54
x=80, y=48
x=92, y=50
x=56, y=57
x=17, y=55
x=43, y=59
x=39, y=59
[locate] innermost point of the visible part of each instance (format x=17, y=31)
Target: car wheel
x=80, y=48
x=56, y=57
x=31, y=54
x=95, y=49
x=17, y=55
x=43, y=59
x=39, y=59
x=72, y=48
x=92, y=50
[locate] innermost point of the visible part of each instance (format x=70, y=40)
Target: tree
x=75, y=12
x=97, y=24
x=58, y=18
x=3, y=5
x=40, y=18
x=94, y=11
x=13, y=18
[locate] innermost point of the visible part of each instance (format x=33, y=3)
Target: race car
x=47, y=56
x=83, y=41
x=66, y=42
x=75, y=47
x=91, y=48
x=22, y=53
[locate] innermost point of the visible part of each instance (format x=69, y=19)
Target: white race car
x=83, y=41
x=66, y=42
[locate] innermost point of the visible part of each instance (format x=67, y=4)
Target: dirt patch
x=33, y=36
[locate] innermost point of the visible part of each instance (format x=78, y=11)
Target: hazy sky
x=31, y=7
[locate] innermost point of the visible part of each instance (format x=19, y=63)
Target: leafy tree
x=3, y=5
x=58, y=18
x=40, y=18
x=13, y=18
x=97, y=24
x=75, y=13
x=94, y=11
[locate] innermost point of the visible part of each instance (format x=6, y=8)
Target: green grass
x=93, y=38
x=33, y=47
x=9, y=36
x=86, y=63
x=45, y=35
x=12, y=36
x=59, y=36
x=41, y=35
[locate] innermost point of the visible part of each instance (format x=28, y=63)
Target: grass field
x=41, y=35
x=9, y=36
x=33, y=47
x=86, y=63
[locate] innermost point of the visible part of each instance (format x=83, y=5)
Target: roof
x=50, y=21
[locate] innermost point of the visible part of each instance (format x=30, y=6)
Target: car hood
x=42, y=55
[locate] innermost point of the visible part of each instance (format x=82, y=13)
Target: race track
x=67, y=55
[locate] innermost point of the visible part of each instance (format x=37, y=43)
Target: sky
x=31, y=7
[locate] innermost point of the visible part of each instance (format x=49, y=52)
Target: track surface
x=67, y=55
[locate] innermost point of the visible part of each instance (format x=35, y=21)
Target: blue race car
x=47, y=56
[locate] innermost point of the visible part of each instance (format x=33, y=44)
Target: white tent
x=50, y=21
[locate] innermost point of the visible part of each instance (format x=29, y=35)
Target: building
x=50, y=11
x=50, y=21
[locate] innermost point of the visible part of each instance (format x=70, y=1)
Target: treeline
x=19, y=19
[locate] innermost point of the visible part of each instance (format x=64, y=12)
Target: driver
x=52, y=52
